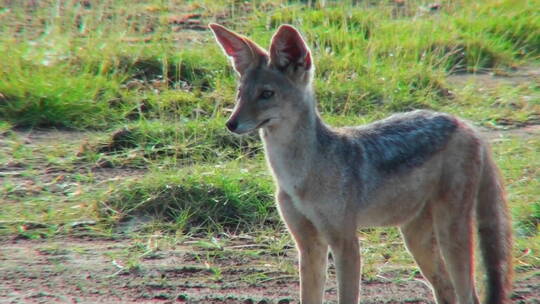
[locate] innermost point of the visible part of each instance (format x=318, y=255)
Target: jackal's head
x=274, y=86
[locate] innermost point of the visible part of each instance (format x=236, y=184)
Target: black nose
x=232, y=125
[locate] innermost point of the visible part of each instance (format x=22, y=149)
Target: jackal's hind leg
x=419, y=237
x=313, y=251
x=453, y=228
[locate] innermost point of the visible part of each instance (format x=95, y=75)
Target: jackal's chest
x=320, y=210
x=289, y=176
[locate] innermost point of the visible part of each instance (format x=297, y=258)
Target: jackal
x=429, y=173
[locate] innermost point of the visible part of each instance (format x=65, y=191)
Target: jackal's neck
x=291, y=147
x=298, y=129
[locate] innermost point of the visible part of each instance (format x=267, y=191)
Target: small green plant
x=227, y=199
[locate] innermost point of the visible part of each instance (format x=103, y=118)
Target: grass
x=186, y=143
x=150, y=91
x=92, y=67
x=519, y=160
x=209, y=198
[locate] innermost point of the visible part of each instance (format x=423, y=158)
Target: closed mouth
x=241, y=130
x=264, y=122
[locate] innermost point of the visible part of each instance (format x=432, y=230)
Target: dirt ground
x=94, y=271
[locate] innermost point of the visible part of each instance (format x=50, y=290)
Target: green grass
x=152, y=98
x=208, y=198
x=92, y=67
x=185, y=143
x=519, y=160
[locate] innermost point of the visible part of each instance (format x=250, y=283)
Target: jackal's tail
x=495, y=235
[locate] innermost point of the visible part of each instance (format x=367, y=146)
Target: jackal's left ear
x=289, y=52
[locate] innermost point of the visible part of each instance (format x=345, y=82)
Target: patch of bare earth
x=90, y=271
x=527, y=74
x=41, y=143
x=525, y=132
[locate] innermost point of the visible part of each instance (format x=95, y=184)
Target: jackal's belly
x=390, y=212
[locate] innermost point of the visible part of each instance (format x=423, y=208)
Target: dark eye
x=266, y=94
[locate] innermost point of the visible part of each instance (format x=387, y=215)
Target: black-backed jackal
x=428, y=173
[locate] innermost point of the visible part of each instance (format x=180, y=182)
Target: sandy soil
x=96, y=271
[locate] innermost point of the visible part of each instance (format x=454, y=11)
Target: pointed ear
x=243, y=52
x=289, y=52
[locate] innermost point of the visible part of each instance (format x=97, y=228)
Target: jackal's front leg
x=312, y=248
x=347, y=259
x=313, y=259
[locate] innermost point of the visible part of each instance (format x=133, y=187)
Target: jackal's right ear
x=243, y=52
